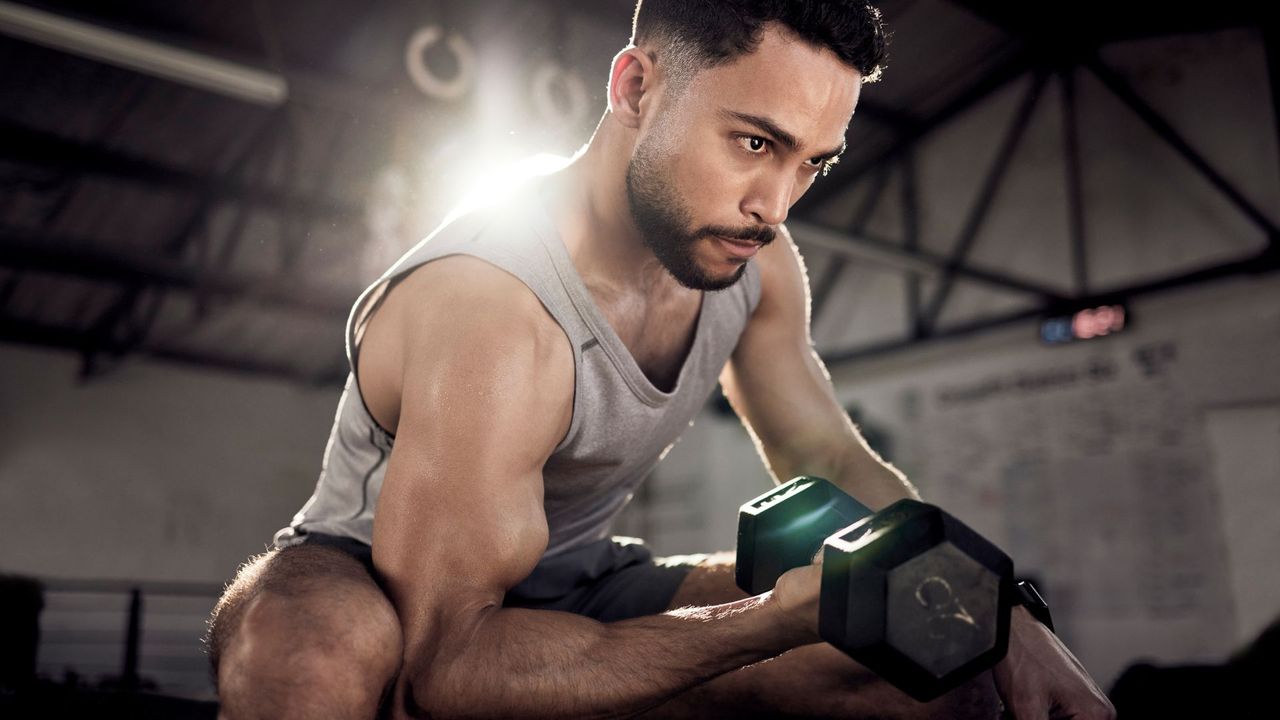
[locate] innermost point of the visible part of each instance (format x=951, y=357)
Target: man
x=516, y=376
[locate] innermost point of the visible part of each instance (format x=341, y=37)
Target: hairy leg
x=303, y=632
x=809, y=681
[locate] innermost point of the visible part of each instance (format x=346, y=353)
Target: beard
x=665, y=224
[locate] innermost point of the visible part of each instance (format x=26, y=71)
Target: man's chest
x=658, y=332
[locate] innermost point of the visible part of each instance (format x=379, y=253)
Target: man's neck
x=593, y=216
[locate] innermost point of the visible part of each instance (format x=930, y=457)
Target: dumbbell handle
x=815, y=509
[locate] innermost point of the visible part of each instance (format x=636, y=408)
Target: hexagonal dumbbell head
x=916, y=596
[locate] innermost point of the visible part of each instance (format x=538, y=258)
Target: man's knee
x=327, y=641
x=310, y=654
x=230, y=607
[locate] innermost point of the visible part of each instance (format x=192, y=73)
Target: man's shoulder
x=465, y=287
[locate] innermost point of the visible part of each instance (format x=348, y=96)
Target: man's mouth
x=739, y=248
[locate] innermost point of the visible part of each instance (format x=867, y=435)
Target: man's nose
x=770, y=200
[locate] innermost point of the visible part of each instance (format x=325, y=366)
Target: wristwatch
x=1025, y=594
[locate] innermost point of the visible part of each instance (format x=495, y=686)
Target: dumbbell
x=910, y=592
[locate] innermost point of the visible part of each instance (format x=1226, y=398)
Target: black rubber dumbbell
x=910, y=592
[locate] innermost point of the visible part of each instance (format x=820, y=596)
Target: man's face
x=716, y=168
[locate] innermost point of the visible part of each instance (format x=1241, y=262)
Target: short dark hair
x=692, y=35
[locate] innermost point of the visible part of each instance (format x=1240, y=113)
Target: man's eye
x=754, y=144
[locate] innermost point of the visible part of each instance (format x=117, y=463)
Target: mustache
x=762, y=234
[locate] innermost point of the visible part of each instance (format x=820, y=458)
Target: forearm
x=875, y=483
x=847, y=462
x=535, y=663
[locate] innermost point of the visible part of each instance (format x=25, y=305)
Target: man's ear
x=630, y=77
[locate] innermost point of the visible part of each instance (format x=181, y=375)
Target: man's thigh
x=809, y=681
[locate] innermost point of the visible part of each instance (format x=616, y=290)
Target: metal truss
x=41, y=149
x=38, y=253
x=982, y=204
x=187, y=261
x=1061, y=62
x=191, y=263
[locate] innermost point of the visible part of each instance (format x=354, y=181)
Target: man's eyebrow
x=769, y=127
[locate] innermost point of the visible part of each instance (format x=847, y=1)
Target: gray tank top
x=622, y=424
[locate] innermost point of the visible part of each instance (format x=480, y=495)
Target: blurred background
x=1043, y=278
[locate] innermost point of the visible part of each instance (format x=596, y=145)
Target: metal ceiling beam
x=119, y=329
x=910, y=201
x=982, y=203
x=30, y=252
x=866, y=248
x=259, y=146
x=1266, y=262
x=1110, y=23
x=1020, y=62
x=125, y=324
x=1089, y=23
x=35, y=147
x=891, y=346
x=1074, y=182
x=71, y=181
x=835, y=266
x=844, y=175
x=1271, y=41
x=1125, y=92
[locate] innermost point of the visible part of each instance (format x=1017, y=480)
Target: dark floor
x=48, y=701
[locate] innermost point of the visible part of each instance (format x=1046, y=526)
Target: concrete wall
x=151, y=472
x=1095, y=465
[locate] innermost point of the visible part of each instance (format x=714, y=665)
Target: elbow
x=425, y=696
x=415, y=690
x=409, y=702
x=433, y=681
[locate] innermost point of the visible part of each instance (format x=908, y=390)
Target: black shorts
x=608, y=580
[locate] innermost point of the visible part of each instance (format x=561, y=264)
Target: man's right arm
x=486, y=395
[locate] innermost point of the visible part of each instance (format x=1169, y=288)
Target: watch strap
x=1026, y=595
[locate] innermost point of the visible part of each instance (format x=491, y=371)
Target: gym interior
x=1043, y=278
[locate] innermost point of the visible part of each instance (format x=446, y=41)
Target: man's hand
x=1040, y=678
x=797, y=593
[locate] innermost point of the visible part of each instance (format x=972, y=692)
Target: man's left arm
x=782, y=392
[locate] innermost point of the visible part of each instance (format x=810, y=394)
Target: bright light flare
x=489, y=186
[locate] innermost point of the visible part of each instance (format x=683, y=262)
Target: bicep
x=459, y=517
